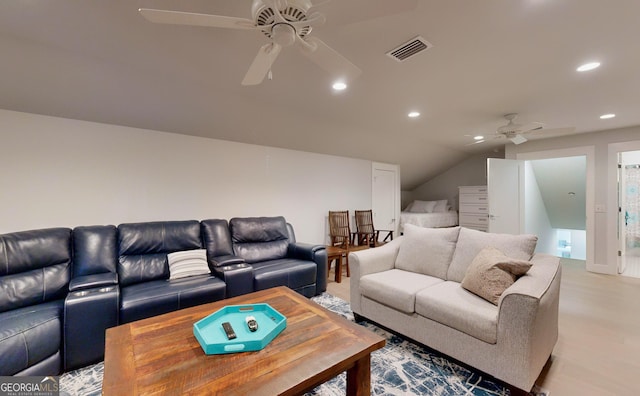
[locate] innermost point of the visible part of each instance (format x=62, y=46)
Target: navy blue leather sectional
x=61, y=288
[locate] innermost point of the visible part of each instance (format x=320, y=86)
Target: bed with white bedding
x=429, y=220
x=429, y=214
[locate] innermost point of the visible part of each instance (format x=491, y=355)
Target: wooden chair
x=365, y=231
x=341, y=241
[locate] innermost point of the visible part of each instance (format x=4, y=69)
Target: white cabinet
x=474, y=207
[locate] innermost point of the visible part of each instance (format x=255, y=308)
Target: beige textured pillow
x=491, y=272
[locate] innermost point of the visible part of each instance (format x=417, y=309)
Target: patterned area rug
x=400, y=368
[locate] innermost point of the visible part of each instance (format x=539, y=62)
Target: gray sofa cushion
x=471, y=242
x=396, y=288
x=451, y=305
x=427, y=251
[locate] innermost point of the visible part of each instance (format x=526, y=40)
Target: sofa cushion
x=396, y=288
x=471, y=242
x=30, y=335
x=188, y=263
x=143, y=248
x=290, y=272
x=491, y=272
x=95, y=250
x=258, y=239
x=427, y=251
x=35, y=267
x=153, y=298
x=453, y=306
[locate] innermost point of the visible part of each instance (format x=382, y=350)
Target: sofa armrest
x=225, y=260
x=315, y=253
x=370, y=261
x=237, y=276
x=91, y=281
x=528, y=318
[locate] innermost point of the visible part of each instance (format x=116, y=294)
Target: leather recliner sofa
x=60, y=289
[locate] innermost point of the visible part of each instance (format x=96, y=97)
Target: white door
x=384, y=200
x=504, y=184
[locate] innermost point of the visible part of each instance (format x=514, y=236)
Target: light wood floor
x=598, y=349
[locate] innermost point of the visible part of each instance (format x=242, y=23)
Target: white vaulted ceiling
x=100, y=61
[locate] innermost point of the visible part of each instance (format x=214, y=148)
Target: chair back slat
x=364, y=221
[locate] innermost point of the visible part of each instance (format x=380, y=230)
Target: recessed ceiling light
x=588, y=66
x=479, y=137
x=607, y=116
x=339, y=86
x=413, y=114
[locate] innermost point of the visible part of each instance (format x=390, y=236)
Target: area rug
x=400, y=368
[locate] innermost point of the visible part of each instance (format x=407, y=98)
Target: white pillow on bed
x=440, y=206
x=422, y=206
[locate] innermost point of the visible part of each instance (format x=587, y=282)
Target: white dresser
x=474, y=207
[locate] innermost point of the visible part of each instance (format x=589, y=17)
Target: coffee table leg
x=339, y=269
x=359, y=378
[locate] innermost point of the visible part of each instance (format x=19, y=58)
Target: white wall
x=631, y=157
x=58, y=172
x=536, y=220
x=578, y=244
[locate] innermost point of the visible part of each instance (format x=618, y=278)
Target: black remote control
x=229, y=330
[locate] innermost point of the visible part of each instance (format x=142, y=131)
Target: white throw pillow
x=422, y=206
x=427, y=251
x=188, y=263
x=440, y=206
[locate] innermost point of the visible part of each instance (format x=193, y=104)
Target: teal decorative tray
x=213, y=339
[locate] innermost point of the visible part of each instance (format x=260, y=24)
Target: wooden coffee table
x=160, y=355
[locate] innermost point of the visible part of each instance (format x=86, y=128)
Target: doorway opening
x=571, y=200
x=571, y=244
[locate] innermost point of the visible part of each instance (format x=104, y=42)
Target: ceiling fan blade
x=553, y=131
x=328, y=59
x=261, y=64
x=192, y=19
x=532, y=126
x=476, y=142
x=518, y=139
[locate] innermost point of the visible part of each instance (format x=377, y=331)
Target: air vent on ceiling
x=409, y=49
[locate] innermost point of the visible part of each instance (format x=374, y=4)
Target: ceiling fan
x=284, y=22
x=515, y=132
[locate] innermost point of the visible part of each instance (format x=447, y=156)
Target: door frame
x=612, y=198
x=589, y=153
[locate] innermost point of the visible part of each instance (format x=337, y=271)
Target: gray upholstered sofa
x=412, y=286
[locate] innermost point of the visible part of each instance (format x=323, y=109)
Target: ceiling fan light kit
x=283, y=22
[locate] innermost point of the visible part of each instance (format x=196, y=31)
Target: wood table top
x=160, y=355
